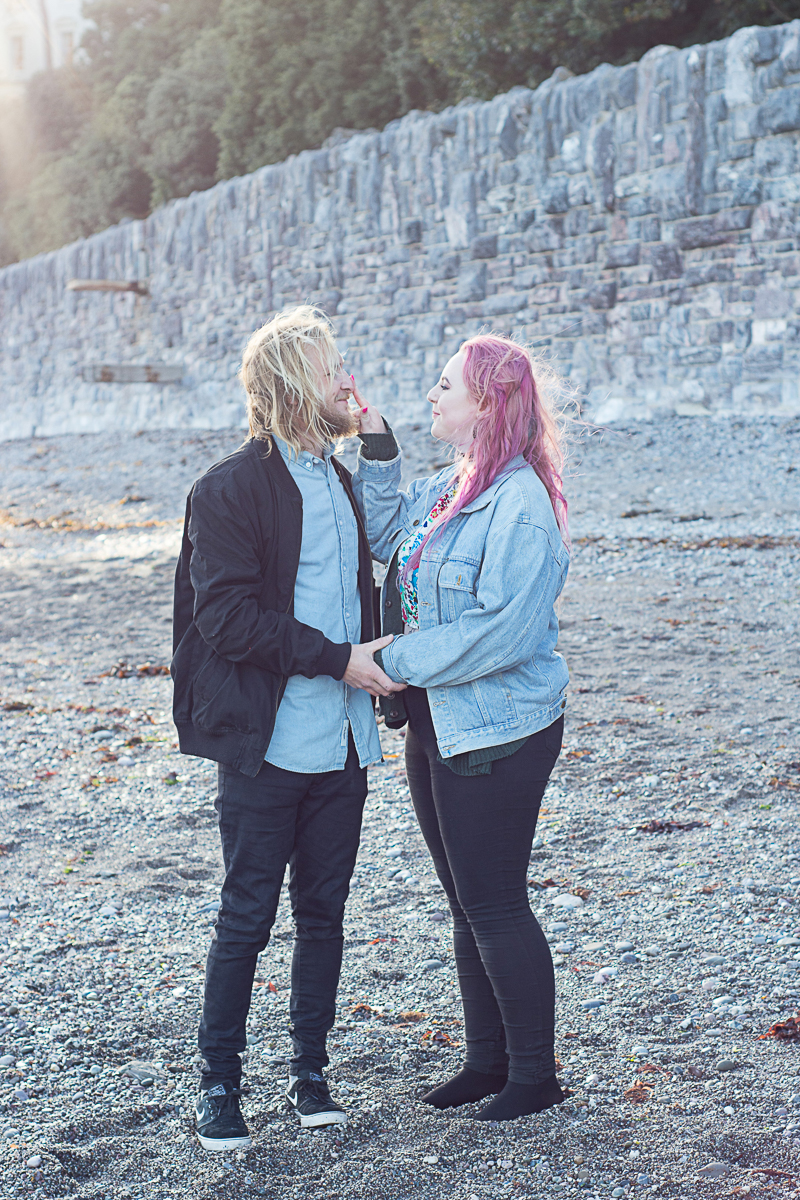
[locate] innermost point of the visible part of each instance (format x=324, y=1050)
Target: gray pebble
x=714, y=1170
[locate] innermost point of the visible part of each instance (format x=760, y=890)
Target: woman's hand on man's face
x=369, y=419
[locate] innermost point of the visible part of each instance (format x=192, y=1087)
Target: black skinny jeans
x=313, y=823
x=479, y=830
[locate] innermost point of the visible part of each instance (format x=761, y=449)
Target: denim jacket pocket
x=458, y=581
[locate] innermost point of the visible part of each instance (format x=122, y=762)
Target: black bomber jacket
x=235, y=640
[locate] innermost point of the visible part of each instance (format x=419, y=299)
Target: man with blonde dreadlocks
x=274, y=678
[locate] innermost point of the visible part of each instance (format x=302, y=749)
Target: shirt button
x=388, y=604
x=415, y=522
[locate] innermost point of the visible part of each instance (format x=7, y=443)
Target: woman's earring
x=474, y=432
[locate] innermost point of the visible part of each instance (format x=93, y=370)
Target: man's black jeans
x=313, y=823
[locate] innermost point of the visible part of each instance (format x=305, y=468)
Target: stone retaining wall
x=639, y=223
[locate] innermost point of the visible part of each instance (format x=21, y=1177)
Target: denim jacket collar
x=486, y=497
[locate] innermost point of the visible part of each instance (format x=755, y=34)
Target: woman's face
x=454, y=410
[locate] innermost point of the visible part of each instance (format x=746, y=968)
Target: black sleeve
x=226, y=577
x=381, y=447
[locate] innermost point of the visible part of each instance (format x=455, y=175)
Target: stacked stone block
x=638, y=224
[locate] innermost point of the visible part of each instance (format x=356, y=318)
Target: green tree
x=298, y=72
x=178, y=122
x=488, y=46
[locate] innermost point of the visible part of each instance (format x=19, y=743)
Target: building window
x=67, y=45
x=17, y=54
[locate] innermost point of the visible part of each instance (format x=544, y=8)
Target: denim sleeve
x=383, y=504
x=519, y=582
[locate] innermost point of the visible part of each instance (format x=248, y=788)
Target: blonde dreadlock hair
x=281, y=373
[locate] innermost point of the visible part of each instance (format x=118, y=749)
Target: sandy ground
x=680, y=629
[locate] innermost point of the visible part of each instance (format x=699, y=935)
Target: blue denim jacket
x=487, y=585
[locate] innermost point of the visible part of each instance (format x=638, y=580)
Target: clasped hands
x=363, y=672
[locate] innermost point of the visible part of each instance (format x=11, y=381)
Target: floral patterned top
x=409, y=602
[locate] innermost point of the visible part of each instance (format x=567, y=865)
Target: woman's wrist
x=379, y=447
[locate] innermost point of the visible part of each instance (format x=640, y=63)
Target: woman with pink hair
x=477, y=559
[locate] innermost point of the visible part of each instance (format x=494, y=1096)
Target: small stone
x=438, y=917
x=34, y=1161
x=622, y=946
x=714, y=960
x=141, y=1072
x=10, y=1134
x=7, y=1060
x=431, y=1159
x=643, y=1180
x=640, y=1051
x=653, y=950
x=594, y=947
x=559, y=927
x=567, y=900
x=588, y=1005
x=726, y=1064
x=564, y=947
x=108, y=910
x=432, y=964
x=714, y=1170
x=630, y=960
x=728, y=1110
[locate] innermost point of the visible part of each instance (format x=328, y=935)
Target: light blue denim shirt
x=487, y=587
x=315, y=715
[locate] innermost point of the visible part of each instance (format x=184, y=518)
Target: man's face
x=336, y=411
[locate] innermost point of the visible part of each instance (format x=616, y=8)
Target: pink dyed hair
x=512, y=419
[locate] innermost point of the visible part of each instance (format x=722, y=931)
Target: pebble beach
x=665, y=871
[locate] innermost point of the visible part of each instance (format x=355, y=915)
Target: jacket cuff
x=380, y=447
x=334, y=659
x=387, y=664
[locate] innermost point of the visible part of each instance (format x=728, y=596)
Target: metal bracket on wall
x=133, y=373
x=108, y=285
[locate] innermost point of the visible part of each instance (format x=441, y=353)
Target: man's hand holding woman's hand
x=363, y=672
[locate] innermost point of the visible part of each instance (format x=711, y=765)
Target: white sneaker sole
x=220, y=1145
x=315, y=1120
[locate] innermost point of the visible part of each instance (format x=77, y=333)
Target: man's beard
x=337, y=422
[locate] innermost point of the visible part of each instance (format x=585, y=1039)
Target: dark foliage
x=170, y=97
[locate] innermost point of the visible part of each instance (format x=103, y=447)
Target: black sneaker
x=220, y=1125
x=309, y=1094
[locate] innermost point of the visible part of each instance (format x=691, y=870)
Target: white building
x=34, y=36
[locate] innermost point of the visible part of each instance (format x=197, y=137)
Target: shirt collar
x=304, y=458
